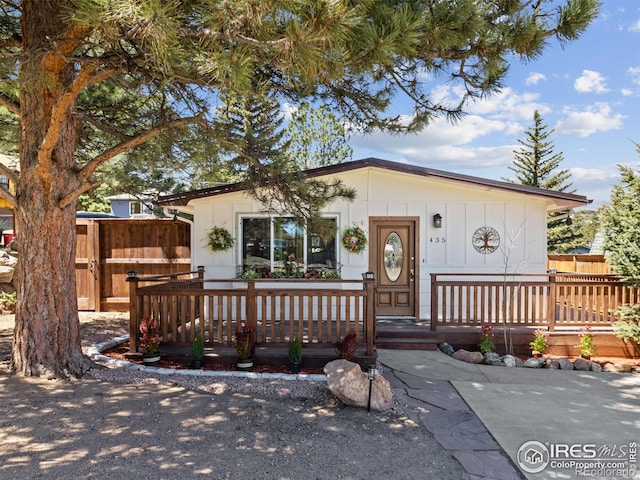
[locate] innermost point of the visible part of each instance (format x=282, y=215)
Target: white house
x=417, y=221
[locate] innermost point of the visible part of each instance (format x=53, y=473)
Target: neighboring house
x=418, y=221
x=126, y=205
x=7, y=218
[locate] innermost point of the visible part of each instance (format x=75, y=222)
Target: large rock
x=511, y=361
x=444, y=347
x=467, y=356
x=581, y=364
x=565, y=364
x=492, y=358
x=619, y=367
x=6, y=274
x=534, y=362
x=350, y=384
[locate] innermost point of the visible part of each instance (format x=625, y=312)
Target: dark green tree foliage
x=536, y=165
x=620, y=220
x=174, y=60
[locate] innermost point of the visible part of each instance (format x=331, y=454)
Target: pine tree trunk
x=46, y=337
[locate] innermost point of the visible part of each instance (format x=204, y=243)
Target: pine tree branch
x=135, y=141
x=86, y=77
x=9, y=104
x=100, y=125
x=85, y=187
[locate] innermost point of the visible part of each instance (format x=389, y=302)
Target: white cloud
x=635, y=27
x=626, y=92
x=596, y=118
x=589, y=82
x=534, y=78
x=635, y=74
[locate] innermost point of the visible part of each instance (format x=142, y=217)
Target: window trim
x=240, y=234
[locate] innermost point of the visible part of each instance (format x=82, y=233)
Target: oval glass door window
x=393, y=255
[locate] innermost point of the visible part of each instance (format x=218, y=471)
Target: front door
x=392, y=258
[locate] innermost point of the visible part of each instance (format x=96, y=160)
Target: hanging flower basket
x=354, y=239
x=220, y=239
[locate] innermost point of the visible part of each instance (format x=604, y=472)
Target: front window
x=280, y=247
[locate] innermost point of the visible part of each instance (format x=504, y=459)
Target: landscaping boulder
x=595, y=367
x=582, y=364
x=350, y=384
x=492, y=358
x=511, y=361
x=552, y=363
x=467, y=356
x=444, y=347
x=565, y=364
x=619, y=367
x=534, y=362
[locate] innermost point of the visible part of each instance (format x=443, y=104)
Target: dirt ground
x=92, y=428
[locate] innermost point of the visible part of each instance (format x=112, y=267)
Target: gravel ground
x=119, y=423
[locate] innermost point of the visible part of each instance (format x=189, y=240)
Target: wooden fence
x=108, y=248
x=583, y=263
x=320, y=312
x=527, y=299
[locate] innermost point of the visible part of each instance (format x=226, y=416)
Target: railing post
x=132, y=278
x=252, y=307
x=551, y=308
x=434, y=302
x=370, y=317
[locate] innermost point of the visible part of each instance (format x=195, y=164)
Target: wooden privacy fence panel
x=582, y=263
x=527, y=299
x=317, y=311
x=108, y=248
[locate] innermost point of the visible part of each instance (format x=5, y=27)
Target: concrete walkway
x=550, y=423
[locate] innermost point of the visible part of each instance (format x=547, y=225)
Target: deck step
x=399, y=343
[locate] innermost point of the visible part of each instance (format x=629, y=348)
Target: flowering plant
x=348, y=345
x=244, y=341
x=586, y=342
x=220, y=239
x=539, y=344
x=486, y=339
x=354, y=239
x=150, y=336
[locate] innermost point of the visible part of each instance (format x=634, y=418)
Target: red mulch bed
x=184, y=363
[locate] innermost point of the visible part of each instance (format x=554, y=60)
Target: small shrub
x=8, y=302
x=295, y=350
x=347, y=346
x=197, y=349
x=628, y=325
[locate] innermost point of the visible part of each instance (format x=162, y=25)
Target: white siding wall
x=519, y=219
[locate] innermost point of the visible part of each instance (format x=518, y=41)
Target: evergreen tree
x=173, y=60
x=620, y=220
x=317, y=137
x=536, y=165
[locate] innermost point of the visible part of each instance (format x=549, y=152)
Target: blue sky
x=588, y=91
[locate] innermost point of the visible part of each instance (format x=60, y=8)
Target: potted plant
x=585, y=343
x=295, y=355
x=539, y=343
x=347, y=346
x=244, y=347
x=197, y=351
x=486, y=339
x=150, y=340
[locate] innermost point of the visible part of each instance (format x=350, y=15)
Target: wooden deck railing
x=549, y=300
x=320, y=312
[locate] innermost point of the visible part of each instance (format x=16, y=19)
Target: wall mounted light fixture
x=437, y=220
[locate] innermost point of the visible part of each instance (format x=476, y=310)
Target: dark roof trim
x=182, y=199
